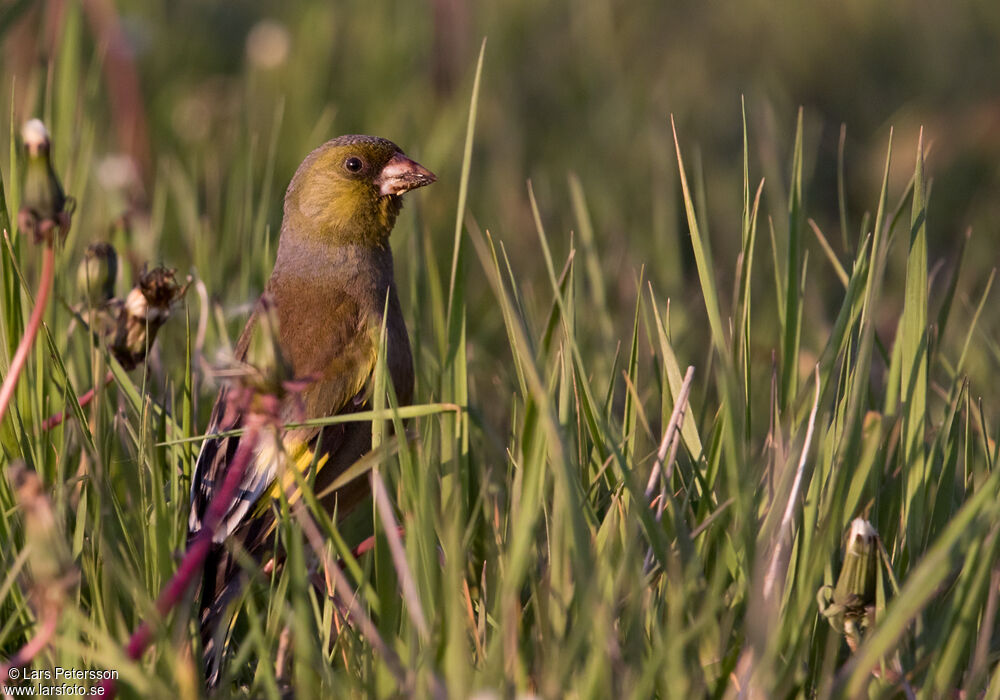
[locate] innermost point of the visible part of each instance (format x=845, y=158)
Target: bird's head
x=349, y=190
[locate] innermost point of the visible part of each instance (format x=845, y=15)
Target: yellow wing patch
x=294, y=455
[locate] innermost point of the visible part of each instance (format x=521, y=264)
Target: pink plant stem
x=196, y=554
x=24, y=347
x=28, y=652
x=368, y=543
x=83, y=399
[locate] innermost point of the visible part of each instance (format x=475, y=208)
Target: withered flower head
x=159, y=286
x=145, y=309
x=96, y=274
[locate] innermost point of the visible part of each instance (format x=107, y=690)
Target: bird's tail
x=222, y=580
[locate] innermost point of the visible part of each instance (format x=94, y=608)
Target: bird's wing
x=339, y=372
x=217, y=453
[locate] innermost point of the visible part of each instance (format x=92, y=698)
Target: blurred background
x=191, y=116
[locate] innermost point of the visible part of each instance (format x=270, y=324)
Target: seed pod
x=850, y=605
x=96, y=274
x=44, y=206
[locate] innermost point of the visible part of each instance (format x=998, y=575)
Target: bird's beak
x=401, y=175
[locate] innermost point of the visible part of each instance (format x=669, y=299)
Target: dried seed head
x=160, y=287
x=96, y=274
x=145, y=309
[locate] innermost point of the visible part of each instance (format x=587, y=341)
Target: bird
x=331, y=290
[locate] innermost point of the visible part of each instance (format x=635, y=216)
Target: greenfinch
x=330, y=292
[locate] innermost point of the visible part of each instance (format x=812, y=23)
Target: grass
x=533, y=559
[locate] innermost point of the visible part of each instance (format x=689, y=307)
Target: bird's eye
x=354, y=164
